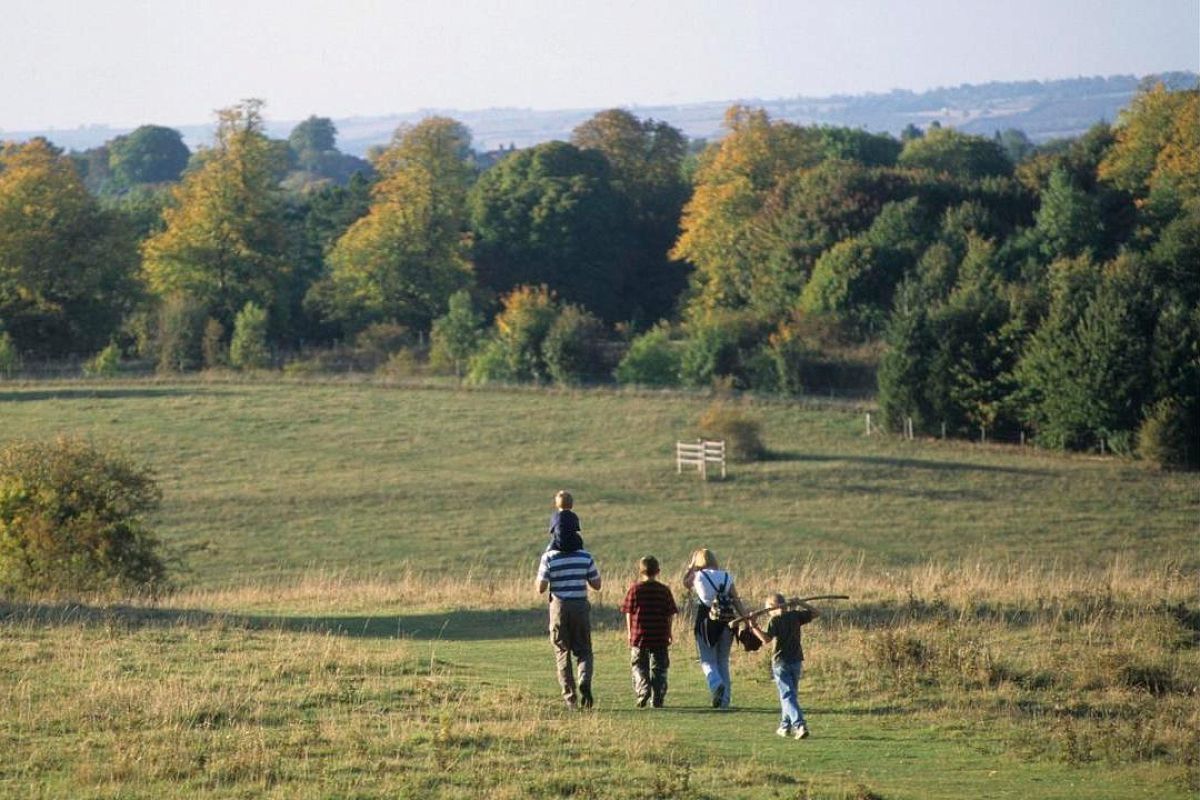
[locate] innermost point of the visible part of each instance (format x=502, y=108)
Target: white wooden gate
x=700, y=454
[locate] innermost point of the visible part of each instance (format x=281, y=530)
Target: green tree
x=224, y=236
x=960, y=155
x=905, y=363
x=1086, y=372
x=855, y=279
x=652, y=360
x=403, y=260
x=1068, y=222
x=248, y=347
x=180, y=331
x=10, y=358
x=573, y=348
x=310, y=138
x=455, y=336
x=105, y=364
x=646, y=160
x=862, y=147
x=551, y=215
x=150, y=154
x=66, y=266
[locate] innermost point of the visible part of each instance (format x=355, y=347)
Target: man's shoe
x=585, y=695
x=783, y=731
x=800, y=732
x=718, y=696
x=642, y=700
x=658, y=702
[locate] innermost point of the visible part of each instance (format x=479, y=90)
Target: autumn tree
x=733, y=183
x=403, y=260
x=224, y=236
x=1157, y=145
x=66, y=265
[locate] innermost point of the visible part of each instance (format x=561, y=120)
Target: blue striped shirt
x=568, y=573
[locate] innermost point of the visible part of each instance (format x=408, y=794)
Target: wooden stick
x=793, y=602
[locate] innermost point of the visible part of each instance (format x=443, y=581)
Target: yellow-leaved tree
x=223, y=242
x=67, y=268
x=723, y=233
x=405, y=258
x=1156, y=157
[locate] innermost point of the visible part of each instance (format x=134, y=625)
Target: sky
x=173, y=62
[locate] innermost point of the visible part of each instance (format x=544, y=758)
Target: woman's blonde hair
x=704, y=559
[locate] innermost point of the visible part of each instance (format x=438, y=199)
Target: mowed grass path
x=245, y=686
x=263, y=479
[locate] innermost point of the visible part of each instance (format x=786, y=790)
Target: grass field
x=354, y=615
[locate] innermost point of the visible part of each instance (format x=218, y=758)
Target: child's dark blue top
x=564, y=532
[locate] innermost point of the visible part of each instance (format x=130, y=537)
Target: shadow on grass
x=901, y=463
x=89, y=393
x=455, y=625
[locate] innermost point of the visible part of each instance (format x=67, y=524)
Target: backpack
x=722, y=608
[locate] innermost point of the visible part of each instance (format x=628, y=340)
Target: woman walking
x=719, y=602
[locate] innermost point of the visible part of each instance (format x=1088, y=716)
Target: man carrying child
x=566, y=571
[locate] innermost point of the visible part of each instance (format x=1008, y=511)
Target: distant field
x=269, y=479
x=355, y=617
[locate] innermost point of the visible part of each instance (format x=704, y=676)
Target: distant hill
x=1042, y=109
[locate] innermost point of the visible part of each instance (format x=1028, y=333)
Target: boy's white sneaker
x=784, y=732
x=799, y=732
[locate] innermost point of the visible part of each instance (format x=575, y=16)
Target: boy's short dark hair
x=648, y=566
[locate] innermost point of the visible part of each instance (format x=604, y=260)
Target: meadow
x=354, y=614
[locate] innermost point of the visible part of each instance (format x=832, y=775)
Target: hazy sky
x=128, y=62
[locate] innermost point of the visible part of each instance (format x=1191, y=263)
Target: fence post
x=982, y=435
x=943, y=430
x=1022, y=437
x=868, y=423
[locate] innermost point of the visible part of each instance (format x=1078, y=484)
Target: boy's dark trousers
x=649, y=667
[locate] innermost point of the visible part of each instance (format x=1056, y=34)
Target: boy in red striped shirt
x=649, y=608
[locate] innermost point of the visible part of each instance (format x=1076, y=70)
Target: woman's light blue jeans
x=787, y=680
x=714, y=660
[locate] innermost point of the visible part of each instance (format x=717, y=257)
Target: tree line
x=998, y=286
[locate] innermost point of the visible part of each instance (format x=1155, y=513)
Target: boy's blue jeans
x=787, y=679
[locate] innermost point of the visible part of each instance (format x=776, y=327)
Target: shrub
x=404, y=363
x=10, y=359
x=709, y=353
x=212, y=346
x=572, y=348
x=490, y=364
x=248, y=349
x=1167, y=437
x=104, y=364
x=522, y=327
x=380, y=340
x=651, y=360
x=742, y=434
x=180, y=320
x=72, y=518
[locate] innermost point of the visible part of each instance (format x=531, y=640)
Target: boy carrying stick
x=787, y=659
